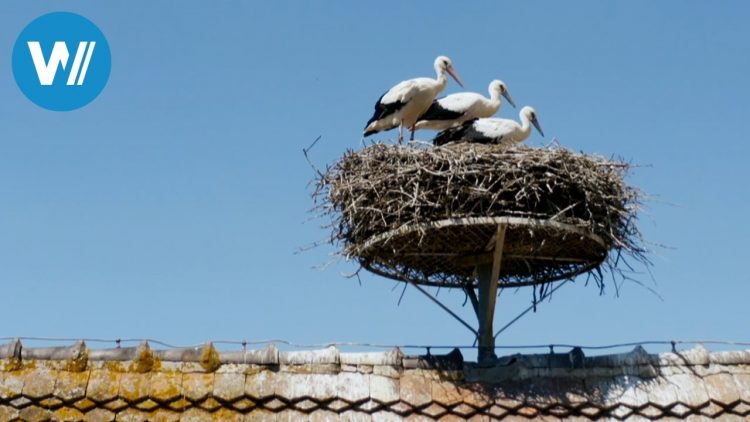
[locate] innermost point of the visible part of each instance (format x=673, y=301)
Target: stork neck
x=525, y=126
x=494, y=100
x=442, y=80
x=494, y=95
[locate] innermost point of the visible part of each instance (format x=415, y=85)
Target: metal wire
x=530, y=308
x=381, y=346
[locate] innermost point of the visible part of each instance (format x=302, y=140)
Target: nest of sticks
x=428, y=214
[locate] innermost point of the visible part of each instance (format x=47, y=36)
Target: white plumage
x=455, y=109
x=403, y=104
x=492, y=130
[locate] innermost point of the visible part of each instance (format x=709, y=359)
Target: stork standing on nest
x=455, y=109
x=404, y=103
x=492, y=130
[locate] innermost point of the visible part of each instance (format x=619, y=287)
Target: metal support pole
x=488, y=275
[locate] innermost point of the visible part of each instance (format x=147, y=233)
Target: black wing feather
x=452, y=134
x=383, y=110
x=438, y=112
x=465, y=133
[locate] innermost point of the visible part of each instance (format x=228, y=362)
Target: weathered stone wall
x=138, y=384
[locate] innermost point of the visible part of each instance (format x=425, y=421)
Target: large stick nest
x=428, y=214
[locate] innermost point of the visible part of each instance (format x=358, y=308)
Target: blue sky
x=171, y=206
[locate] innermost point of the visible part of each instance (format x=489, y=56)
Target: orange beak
x=453, y=73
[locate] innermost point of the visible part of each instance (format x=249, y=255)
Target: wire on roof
x=244, y=343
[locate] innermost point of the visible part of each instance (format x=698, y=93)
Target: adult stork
x=455, y=109
x=492, y=130
x=403, y=104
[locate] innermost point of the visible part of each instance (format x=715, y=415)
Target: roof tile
x=260, y=385
x=228, y=415
x=99, y=415
x=713, y=410
x=691, y=389
x=11, y=384
x=415, y=390
x=196, y=415
x=434, y=410
x=116, y=405
x=103, y=385
x=743, y=382
x=722, y=388
x=147, y=405
x=229, y=386
x=260, y=415
x=384, y=389
x=292, y=416
x=305, y=406
x=35, y=414
x=418, y=418
x=197, y=386
x=385, y=416
x=63, y=414
x=289, y=385
x=71, y=385
x=39, y=383
x=323, y=386
x=165, y=386
x=8, y=413
x=163, y=415
x=741, y=408
x=446, y=393
x=134, y=386
x=661, y=392
x=353, y=416
x=308, y=357
x=353, y=387
x=321, y=415
x=179, y=405
x=210, y=404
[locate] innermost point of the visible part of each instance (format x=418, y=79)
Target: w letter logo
x=61, y=61
x=59, y=57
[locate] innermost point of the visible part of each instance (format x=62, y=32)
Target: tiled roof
x=137, y=384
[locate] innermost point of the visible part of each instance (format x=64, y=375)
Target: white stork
x=455, y=109
x=403, y=104
x=492, y=130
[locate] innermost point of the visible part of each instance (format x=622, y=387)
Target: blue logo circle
x=61, y=61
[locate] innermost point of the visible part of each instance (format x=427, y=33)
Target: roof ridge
x=211, y=359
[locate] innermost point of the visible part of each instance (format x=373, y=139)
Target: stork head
x=443, y=64
x=498, y=88
x=529, y=113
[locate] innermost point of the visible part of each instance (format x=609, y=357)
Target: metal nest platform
x=480, y=218
x=447, y=253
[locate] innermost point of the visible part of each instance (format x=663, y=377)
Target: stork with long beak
x=492, y=130
x=403, y=104
x=454, y=109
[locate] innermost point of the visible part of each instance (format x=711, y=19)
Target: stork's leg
x=401, y=132
x=412, y=132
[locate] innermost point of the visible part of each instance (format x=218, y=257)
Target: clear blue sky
x=171, y=207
